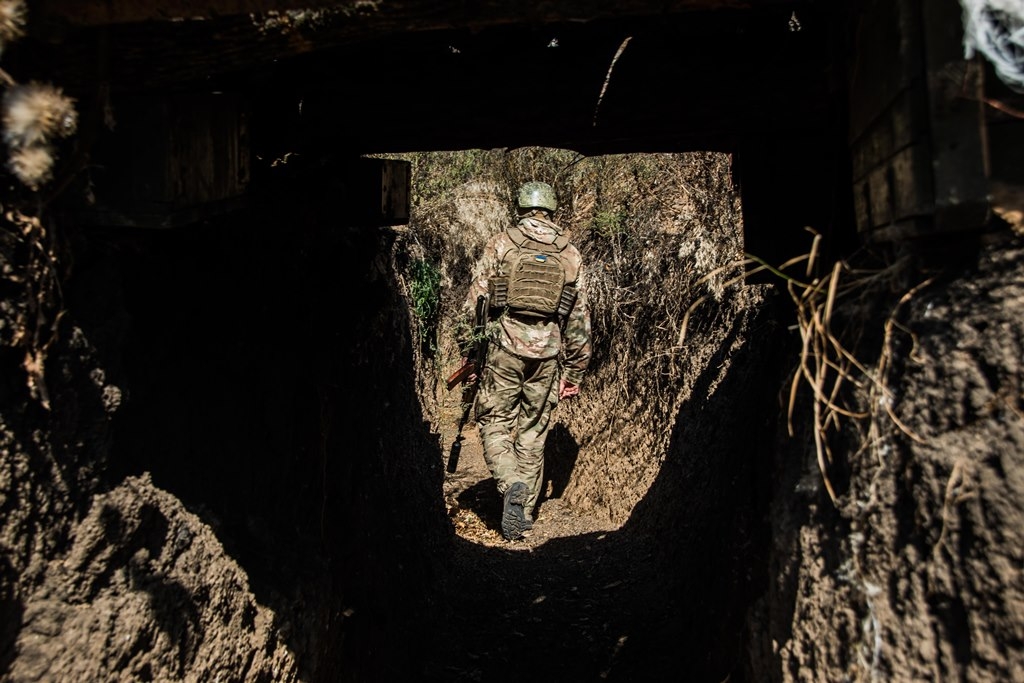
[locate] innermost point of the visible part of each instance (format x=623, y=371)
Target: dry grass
x=33, y=316
x=653, y=229
x=662, y=241
x=641, y=221
x=842, y=387
x=828, y=366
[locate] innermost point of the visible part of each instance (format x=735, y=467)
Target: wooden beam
x=106, y=12
x=957, y=122
x=421, y=14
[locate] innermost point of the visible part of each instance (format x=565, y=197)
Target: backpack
x=533, y=282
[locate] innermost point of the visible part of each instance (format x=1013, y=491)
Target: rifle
x=476, y=358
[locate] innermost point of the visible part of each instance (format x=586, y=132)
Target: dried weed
x=828, y=365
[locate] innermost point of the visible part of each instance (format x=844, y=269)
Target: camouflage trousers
x=514, y=405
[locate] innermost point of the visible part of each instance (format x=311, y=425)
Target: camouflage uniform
x=519, y=386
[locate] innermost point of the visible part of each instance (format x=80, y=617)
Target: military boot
x=513, y=519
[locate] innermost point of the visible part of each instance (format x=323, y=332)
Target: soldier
x=539, y=347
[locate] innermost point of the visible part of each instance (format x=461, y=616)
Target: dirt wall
x=915, y=573
x=219, y=486
x=51, y=458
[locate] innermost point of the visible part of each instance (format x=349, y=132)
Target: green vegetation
x=425, y=300
x=609, y=224
x=425, y=289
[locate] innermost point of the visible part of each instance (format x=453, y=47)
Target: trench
x=239, y=474
x=271, y=385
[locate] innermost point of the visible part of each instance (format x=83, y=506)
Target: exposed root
x=958, y=490
x=826, y=366
x=608, y=76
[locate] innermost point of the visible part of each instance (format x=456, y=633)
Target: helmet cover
x=537, y=195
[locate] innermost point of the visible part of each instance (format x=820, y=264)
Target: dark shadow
x=557, y=613
x=707, y=509
x=11, y=614
x=270, y=386
x=560, y=454
x=662, y=598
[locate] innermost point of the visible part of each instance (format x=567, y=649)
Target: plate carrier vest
x=533, y=281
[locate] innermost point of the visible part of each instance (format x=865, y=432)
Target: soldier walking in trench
x=539, y=347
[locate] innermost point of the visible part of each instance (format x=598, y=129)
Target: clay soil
x=915, y=573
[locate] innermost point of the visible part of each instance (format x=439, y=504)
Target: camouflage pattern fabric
x=519, y=386
x=533, y=339
x=514, y=405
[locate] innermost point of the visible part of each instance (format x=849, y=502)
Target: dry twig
x=826, y=366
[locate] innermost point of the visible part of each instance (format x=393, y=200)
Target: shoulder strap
x=517, y=236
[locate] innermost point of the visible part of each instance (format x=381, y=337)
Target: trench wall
x=234, y=475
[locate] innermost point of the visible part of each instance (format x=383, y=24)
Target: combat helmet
x=537, y=195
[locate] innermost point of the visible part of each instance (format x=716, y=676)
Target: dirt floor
x=474, y=505
x=579, y=598
x=558, y=604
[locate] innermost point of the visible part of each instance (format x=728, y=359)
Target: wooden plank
x=156, y=218
x=205, y=156
x=862, y=206
x=170, y=160
x=957, y=122
x=918, y=141
x=898, y=232
x=396, y=194
x=887, y=60
x=911, y=183
x=889, y=127
x=417, y=14
x=94, y=13
x=376, y=191
x=901, y=125
x=896, y=191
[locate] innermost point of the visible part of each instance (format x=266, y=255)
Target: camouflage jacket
x=528, y=338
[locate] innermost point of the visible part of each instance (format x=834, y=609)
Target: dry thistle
x=32, y=165
x=36, y=113
x=12, y=21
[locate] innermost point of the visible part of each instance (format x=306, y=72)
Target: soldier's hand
x=567, y=389
x=472, y=376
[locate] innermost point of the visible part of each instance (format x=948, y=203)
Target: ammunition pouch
x=566, y=301
x=498, y=289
